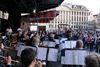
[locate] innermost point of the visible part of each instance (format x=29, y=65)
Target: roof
x=75, y=7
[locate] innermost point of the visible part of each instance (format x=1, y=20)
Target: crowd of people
x=9, y=41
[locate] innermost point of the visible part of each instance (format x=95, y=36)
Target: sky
x=92, y=5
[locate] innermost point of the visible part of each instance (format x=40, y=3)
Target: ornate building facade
x=75, y=16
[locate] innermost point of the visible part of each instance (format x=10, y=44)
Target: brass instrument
x=15, y=61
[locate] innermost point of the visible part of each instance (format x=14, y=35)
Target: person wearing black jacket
x=28, y=59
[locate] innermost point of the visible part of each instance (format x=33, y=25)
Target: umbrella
x=42, y=17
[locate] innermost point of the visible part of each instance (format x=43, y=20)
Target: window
x=55, y=26
x=77, y=13
x=74, y=26
x=77, y=19
x=52, y=25
x=74, y=18
x=74, y=13
x=82, y=18
x=49, y=26
x=77, y=23
x=82, y=13
x=74, y=23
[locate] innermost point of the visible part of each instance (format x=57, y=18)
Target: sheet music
x=21, y=48
x=69, y=57
x=67, y=44
x=82, y=55
x=53, y=54
x=45, y=43
x=74, y=57
x=63, y=39
x=57, y=41
x=70, y=44
x=41, y=54
x=51, y=44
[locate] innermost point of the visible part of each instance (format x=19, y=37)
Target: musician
x=12, y=49
x=7, y=61
x=79, y=44
x=3, y=52
x=9, y=32
x=20, y=35
x=51, y=37
x=28, y=59
x=51, y=63
x=92, y=60
x=26, y=38
x=44, y=36
x=68, y=35
x=35, y=41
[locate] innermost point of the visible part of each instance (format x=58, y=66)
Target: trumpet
x=15, y=61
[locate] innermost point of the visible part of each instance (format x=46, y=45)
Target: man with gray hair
x=79, y=44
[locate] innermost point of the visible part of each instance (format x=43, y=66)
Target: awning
x=43, y=17
x=16, y=7
x=47, y=4
x=24, y=6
